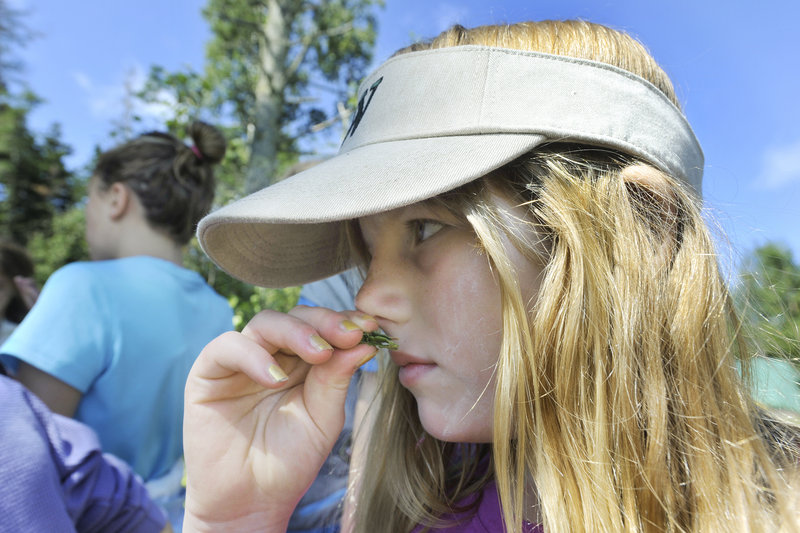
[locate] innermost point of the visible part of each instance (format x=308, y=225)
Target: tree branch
x=310, y=38
x=301, y=55
x=299, y=99
x=342, y=117
x=339, y=30
x=240, y=22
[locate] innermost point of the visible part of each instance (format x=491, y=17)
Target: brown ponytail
x=174, y=183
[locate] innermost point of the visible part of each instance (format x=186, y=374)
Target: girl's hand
x=263, y=410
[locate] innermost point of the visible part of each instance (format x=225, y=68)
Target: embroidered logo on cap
x=363, y=104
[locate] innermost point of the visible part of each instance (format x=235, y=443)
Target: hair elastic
x=197, y=152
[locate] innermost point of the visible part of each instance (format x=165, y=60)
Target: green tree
x=278, y=75
x=64, y=244
x=13, y=34
x=24, y=208
x=769, y=297
x=282, y=69
x=35, y=186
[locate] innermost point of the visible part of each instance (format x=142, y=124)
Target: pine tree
x=35, y=185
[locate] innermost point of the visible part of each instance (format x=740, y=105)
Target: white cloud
x=18, y=5
x=151, y=113
x=780, y=166
x=108, y=102
x=82, y=80
x=104, y=101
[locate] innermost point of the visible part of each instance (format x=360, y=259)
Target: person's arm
x=61, y=398
x=102, y=492
x=263, y=410
x=59, y=349
x=55, y=476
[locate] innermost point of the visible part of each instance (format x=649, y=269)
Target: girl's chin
x=455, y=429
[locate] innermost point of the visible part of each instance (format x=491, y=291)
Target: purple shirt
x=53, y=476
x=487, y=519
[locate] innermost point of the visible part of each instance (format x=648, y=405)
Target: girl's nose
x=386, y=293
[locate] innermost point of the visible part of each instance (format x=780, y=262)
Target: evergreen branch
x=379, y=340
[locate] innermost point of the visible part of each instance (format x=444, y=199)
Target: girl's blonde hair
x=617, y=392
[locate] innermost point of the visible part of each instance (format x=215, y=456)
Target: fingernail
x=362, y=320
x=277, y=373
x=368, y=358
x=349, y=325
x=319, y=343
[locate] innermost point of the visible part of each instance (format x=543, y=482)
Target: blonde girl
x=525, y=203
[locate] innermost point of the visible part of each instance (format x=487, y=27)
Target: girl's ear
x=119, y=200
x=653, y=191
x=653, y=196
x=647, y=177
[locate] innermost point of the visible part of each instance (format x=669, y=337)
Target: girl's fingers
x=326, y=385
x=229, y=355
x=342, y=328
x=302, y=332
x=237, y=365
x=263, y=350
x=311, y=333
x=325, y=388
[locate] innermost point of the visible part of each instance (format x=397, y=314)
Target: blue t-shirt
x=125, y=333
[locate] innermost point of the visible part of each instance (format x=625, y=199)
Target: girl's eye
x=424, y=229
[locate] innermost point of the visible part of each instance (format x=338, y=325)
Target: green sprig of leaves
x=379, y=340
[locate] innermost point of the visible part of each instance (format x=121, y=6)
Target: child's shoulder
x=72, y=274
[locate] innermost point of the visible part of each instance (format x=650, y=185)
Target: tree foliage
x=280, y=70
x=64, y=244
x=769, y=297
x=35, y=185
x=277, y=65
x=13, y=34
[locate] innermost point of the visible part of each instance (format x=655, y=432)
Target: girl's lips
x=402, y=359
x=412, y=369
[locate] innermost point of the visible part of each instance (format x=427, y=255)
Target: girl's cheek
x=468, y=299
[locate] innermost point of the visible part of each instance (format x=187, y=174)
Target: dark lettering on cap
x=361, y=108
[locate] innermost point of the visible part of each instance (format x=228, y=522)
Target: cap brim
x=287, y=234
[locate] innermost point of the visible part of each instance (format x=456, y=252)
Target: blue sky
x=734, y=65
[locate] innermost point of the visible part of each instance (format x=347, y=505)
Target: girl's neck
x=142, y=239
x=170, y=253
